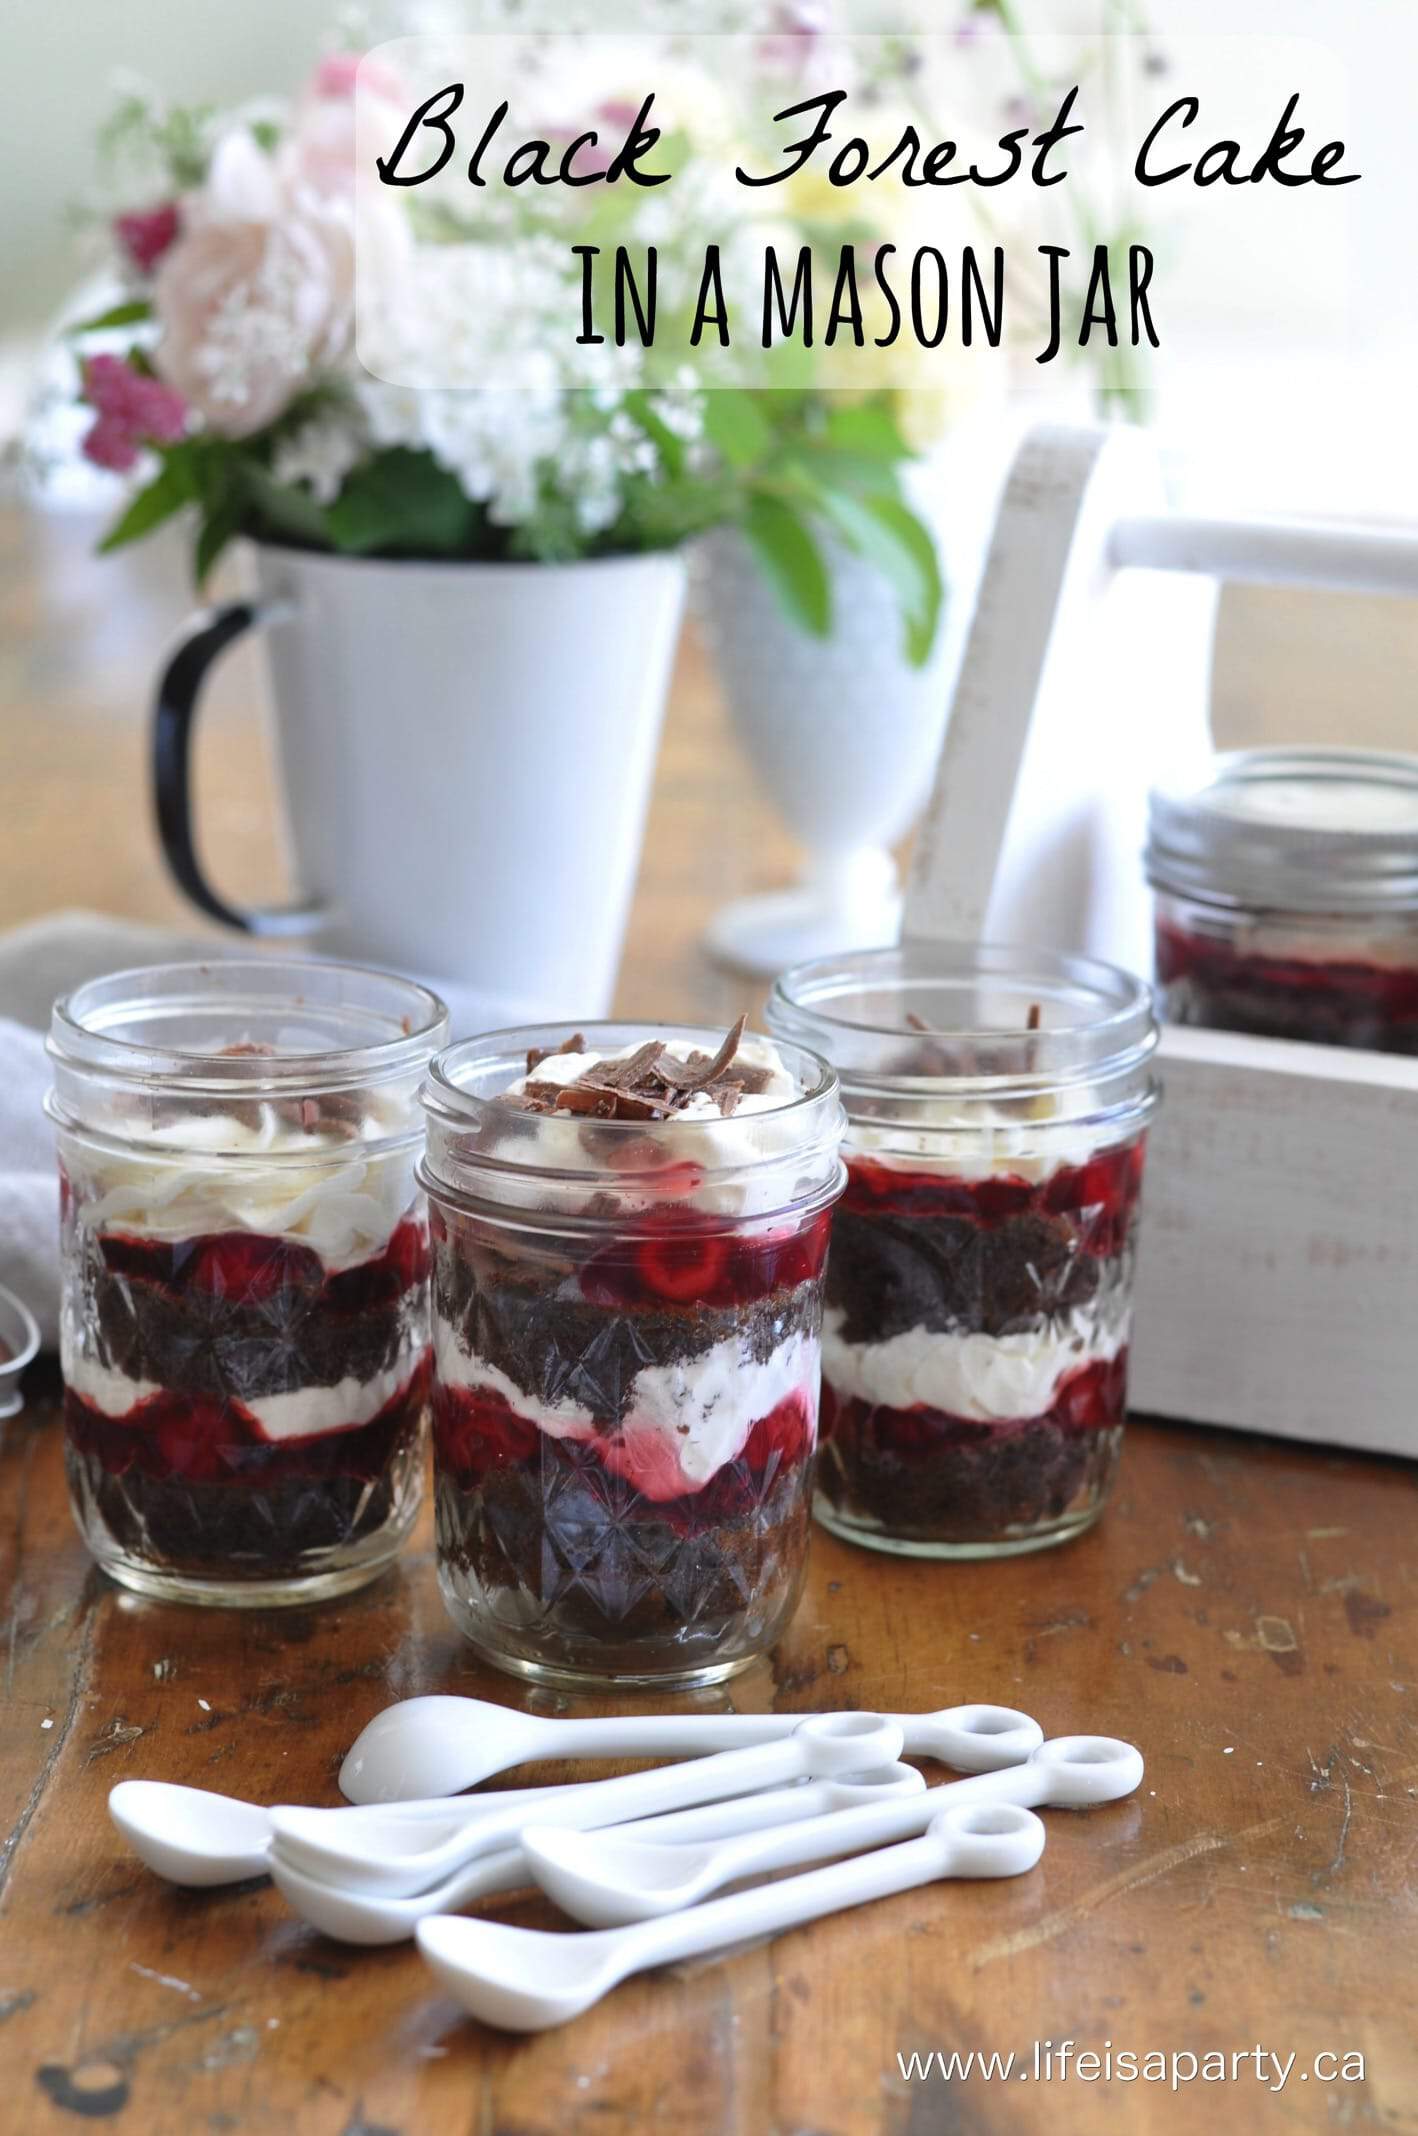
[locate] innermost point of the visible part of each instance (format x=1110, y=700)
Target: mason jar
x=979, y=1288
x=626, y=1335
x=1286, y=897
x=244, y=1327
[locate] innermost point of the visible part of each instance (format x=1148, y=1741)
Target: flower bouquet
x=224, y=381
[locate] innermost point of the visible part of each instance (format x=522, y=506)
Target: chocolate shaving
x=649, y=1084
x=934, y=1058
x=1035, y=1017
x=537, y=1054
x=724, y=1057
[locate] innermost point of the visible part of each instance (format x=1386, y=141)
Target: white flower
x=322, y=452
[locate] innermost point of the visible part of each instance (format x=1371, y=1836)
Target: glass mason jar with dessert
x=979, y=1289
x=1286, y=897
x=244, y=1325
x=629, y=1229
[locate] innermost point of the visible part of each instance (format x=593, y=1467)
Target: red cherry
x=192, y=1438
x=476, y=1430
x=613, y=1278
x=407, y=1254
x=245, y=1268
x=786, y=1432
x=686, y=1268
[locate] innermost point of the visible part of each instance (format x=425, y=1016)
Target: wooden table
x=1247, y=1612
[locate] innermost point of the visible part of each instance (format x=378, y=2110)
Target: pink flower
x=133, y=411
x=146, y=235
x=255, y=298
x=321, y=149
x=792, y=36
x=335, y=75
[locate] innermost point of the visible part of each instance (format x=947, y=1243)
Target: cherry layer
x=1090, y=1399
x=248, y=1268
x=1101, y=1195
x=172, y=1436
x=476, y=1431
x=682, y=1258
x=1381, y=994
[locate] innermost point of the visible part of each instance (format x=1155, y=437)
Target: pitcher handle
x=203, y=638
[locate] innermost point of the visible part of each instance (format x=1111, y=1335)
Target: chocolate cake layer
x=969, y=1489
x=565, y=1555
x=270, y=1510
x=557, y=1345
x=888, y=1273
x=273, y=1338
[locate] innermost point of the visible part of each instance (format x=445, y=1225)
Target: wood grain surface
x=1247, y=1612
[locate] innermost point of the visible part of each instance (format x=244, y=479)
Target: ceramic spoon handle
x=660, y=1735
x=770, y=1908
x=871, y=1824
x=670, y=1787
x=695, y=1735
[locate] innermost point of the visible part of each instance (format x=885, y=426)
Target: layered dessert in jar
x=244, y=1328
x=630, y=1226
x=979, y=1289
x=1286, y=897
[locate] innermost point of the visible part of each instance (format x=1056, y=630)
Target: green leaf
x=285, y=509
x=169, y=491
x=888, y=535
x=867, y=427
x=736, y=426
x=667, y=445
x=792, y=560
x=135, y=312
x=826, y=466
x=402, y=504
x=216, y=530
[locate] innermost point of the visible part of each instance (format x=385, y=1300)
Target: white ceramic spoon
x=441, y=1745
x=609, y=1878
x=196, y=1837
x=525, y=1980
x=393, y=1855
x=365, y=1917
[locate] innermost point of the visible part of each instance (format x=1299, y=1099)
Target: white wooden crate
x=1278, y=1272
x=1278, y=1285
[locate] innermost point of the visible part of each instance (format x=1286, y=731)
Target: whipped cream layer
x=971, y=1140
x=684, y=1422
x=761, y=1139
x=207, y=1172
x=985, y=1379
x=302, y=1413
x=1295, y=942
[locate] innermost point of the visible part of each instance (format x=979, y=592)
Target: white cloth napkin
x=39, y=962
x=29, y=1235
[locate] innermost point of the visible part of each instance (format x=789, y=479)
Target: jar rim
x=1255, y=832
x=808, y=999
x=82, y=1040
x=510, y=1045
x=776, y=1159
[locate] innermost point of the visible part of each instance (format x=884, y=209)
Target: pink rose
x=255, y=298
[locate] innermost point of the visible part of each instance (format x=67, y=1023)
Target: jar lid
x=1296, y=830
